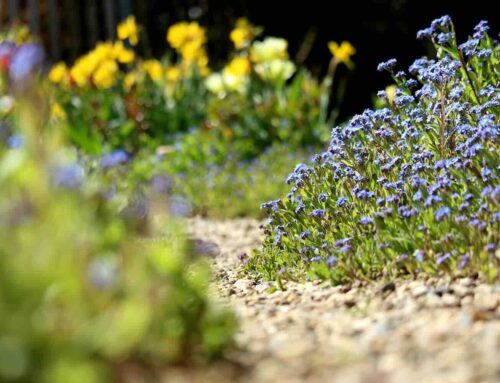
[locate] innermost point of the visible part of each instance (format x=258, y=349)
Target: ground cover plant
x=411, y=188
x=93, y=283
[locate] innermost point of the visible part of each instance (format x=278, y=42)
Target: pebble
x=432, y=330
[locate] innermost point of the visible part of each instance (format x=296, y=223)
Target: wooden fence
x=67, y=27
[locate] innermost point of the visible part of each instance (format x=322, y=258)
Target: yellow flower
x=129, y=80
x=128, y=29
x=173, y=74
x=272, y=48
x=79, y=72
x=154, y=69
x=58, y=73
x=105, y=75
x=239, y=66
x=122, y=54
x=103, y=51
x=390, y=90
x=58, y=111
x=243, y=34
x=342, y=52
x=192, y=51
x=183, y=33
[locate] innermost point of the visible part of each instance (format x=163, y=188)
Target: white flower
x=275, y=70
x=272, y=48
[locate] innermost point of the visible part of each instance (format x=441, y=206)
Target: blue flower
x=179, y=206
x=318, y=213
x=365, y=221
x=114, y=158
x=15, y=141
x=387, y=65
x=419, y=256
x=25, y=61
x=464, y=260
x=305, y=234
x=442, y=213
x=68, y=176
x=341, y=201
x=331, y=261
x=443, y=258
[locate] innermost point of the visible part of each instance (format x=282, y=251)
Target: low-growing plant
x=92, y=285
x=411, y=188
x=235, y=188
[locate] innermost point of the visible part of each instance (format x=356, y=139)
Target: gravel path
x=434, y=330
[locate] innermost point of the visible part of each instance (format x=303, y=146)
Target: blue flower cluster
x=412, y=187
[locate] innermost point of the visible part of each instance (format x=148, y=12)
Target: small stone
x=467, y=282
x=419, y=291
x=440, y=291
x=467, y=300
x=486, y=301
x=349, y=303
x=461, y=291
x=260, y=288
x=388, y=287
x=450, y=300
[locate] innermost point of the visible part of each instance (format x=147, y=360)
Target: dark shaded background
x=379, y=29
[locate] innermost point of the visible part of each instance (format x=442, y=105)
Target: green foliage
x=88, y=283
x=411, y=188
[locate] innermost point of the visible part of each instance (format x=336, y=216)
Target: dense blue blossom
x=412, y=183
x=387, y=65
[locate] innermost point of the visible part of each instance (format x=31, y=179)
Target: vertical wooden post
x=54, y=29
x=92, y=23
x=74, y=11
x=109, y=15
x=13, y=10
x=34, y=16
x=125, y=8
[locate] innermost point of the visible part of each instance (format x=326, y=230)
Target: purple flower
x=481, y=29
x=161, y=184
x=442, y=213
x=342, y=242
x=299, y=209
x=490, y=248
x=15, y=141
x=425, y=33
x=68, y=176
x=387, y=65
x=443, y=258
x=341, y=201
x=102, y=272
x=305, y=234
x=464, y=261
x=331, y=261
x=322, y=197
x=25, y=61
x=179, y=206
x=318, y=213
x=419, y=256
x=114, y=158
x=365, y=221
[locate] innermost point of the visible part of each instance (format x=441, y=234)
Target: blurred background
x=379, y=29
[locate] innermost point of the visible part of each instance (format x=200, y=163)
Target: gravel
x=430, y=330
